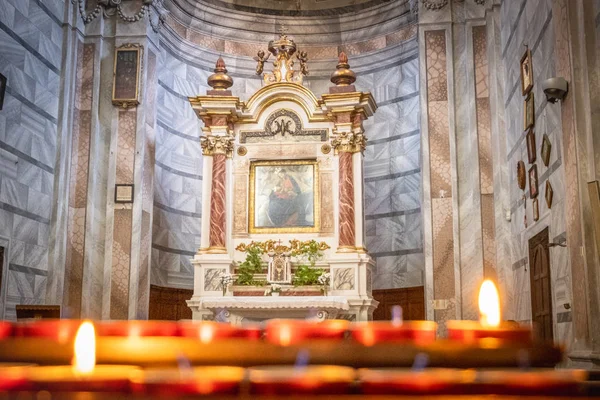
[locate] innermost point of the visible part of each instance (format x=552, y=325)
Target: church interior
x=354, y=179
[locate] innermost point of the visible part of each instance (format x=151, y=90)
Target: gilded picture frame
x=284, y=196
x=533, y=181
x=526, y=73
x=531, y=149
x=126, y=75
x=529, y=112
x=546, y=148
x=536, y=209
x=549, y=194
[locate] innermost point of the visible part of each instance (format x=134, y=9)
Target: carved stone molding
x=110, y=8
x=212, y=145
x=434, y=5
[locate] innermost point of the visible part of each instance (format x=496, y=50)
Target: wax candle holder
x=417, y=332
x=137, y=328
x=298, y=380
x=63, y=378
x=13, y=377
x=405, y=381
x=60, y=330
x=215, y=380
x=6, y=329
x=535, y=382
x=472, y=332
x=208, y=331
x=286, y=332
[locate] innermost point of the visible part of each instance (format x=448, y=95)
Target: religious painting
x=536, y=210
x=284, y=196
x=531, y=150
x=549, y=194
x=526, y=73
x=529, y=112
x=546, y=147
x=533, y=181
x=126, y=75
x=2, y=89
x=521, y=175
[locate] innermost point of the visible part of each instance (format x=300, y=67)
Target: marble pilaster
x=217, y=204
x=346, y=203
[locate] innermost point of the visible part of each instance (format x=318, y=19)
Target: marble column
x=207, y=167
x=346, y=203
x=217, y=204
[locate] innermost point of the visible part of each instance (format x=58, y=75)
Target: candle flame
x=84, y=359
x=489, y=304
x=206, y=333
x=285, y=335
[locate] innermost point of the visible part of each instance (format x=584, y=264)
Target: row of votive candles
x=288, y=380
x=281, y=332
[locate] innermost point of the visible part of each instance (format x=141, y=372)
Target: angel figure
x=303, y=58
x=261, y=59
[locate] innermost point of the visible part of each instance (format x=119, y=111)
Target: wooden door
x=169, y=303
x=541, y=293
x=412, y=301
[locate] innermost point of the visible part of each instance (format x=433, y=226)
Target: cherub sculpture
x=303, y=58
x=261, y=59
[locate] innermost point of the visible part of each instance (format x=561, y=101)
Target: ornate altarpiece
x=282, y=166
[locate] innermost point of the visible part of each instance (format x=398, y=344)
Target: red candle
x=405, y=381
x=489, y=327
x=61, y=330
x=195, y=381
x=13, y=378
x=288, y=380
x=6, y=329
x=418, y=332
x=208, y=331
x=285, y=332
x=538, y=382
x=137, y=328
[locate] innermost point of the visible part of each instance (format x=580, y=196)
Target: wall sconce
x=555, y=89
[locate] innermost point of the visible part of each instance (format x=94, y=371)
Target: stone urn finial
x=343, y=75
x=220, y=80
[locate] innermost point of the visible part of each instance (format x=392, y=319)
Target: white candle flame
x=489, y=304
x=84, y=359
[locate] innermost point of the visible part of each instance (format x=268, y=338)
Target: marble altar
x=284, y=166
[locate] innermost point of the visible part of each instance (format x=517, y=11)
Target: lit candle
x=208, y=331
x=185, y=382
x=489, y=327
x=6, y=329
x=288, y=380
x=286, y=332
x=84, y=374
x=406, y=381
x=537, y=382
x=418, y=332
x=61, y=330
x=13, y=378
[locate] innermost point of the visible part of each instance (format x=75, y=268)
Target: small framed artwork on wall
x=549, y=194
x=546, y=147
x=2, y=89
x=529, y=112
x=526, y=73
x=531, y=150
x=536, y=210
x=521, y=175
x=123, y=193
x=533, y=181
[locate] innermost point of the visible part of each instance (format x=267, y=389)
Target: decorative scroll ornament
x=283, y=67
x=212, y=145
x=349, y=142
x=110, y=8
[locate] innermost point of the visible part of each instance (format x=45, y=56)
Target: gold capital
x=212, y=145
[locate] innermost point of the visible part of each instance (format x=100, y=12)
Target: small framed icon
x=549, y=194
x=124, y=193
x=521, y=175
x=546, y=148
x=533, y=181
x=526, y=73
x=536, y=210
x=531, y=150
x=529, y=112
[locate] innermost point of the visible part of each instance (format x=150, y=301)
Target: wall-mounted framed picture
x=536, y=210
x=526, y=73
x=549, y=194
x=126, y=78
x=2, y=90
x=521, y=175
x=529, y=112
x=533, y=181
x=124, y=193
x=546, y=147
x=531, y=149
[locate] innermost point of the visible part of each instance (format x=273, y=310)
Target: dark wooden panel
x=412, y=301
x=541, y=291
x=169, y=303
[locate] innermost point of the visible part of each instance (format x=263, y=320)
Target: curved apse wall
x=381, y=42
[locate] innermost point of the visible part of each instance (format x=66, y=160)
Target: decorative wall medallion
x=536, y=210
x=529, y=112
x=533, y=181
x=126, y=75
x=531, y=149
x=546, y=147
x=526, y=73
x=242, y=151
x=549, y=194
x=326, y=148
x=521, y=175
x=283, y=123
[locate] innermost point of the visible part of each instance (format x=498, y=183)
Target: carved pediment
x=283, y=125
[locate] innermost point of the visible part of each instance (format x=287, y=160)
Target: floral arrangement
x=324, y=280
x=226, y=280
x=275, y=288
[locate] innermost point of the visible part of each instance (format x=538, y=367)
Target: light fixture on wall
x=555, y=89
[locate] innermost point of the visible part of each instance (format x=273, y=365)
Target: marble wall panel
x=121, y=262
x=343, y=279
